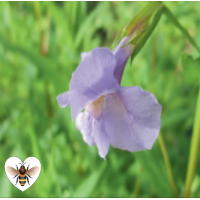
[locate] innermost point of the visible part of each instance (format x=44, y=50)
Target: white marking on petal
x=83, y=55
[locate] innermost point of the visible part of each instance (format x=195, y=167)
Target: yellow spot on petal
x=96, y=107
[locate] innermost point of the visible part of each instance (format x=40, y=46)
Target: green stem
x=36, y=6
x=173, y=19
x=167, y=163
x=194, y=147
x=136, y=189
x=44, y=46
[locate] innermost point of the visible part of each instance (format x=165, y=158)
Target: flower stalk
x=167, y=163
x=194, y=149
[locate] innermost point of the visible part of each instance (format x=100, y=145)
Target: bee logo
x=22, y=174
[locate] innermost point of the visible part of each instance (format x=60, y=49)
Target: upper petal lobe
x=93, y=78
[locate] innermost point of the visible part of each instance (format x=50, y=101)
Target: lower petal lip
x=128, y=119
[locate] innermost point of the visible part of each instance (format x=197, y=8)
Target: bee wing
x=33, y=171
x=12, y=171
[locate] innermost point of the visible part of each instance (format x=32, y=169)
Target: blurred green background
x=40, y=47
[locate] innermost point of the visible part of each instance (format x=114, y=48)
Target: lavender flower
x=125, y=117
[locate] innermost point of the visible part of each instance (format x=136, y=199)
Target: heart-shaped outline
x=32, y=161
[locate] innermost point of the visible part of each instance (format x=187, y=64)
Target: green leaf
x=88, y=185
x=191, y=69
x=173, y=19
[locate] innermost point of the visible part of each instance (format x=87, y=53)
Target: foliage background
x=40, y=46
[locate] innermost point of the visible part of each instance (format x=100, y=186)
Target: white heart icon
x=22, y=174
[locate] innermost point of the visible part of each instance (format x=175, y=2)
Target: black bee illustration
x=22, y=174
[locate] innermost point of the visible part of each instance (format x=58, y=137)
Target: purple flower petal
x=63, y=99
x=101, y=138
x=85, y=125
x=93, y=132
x=92, y=79
x=118, y=125
x=122, y=55
x=145, y=112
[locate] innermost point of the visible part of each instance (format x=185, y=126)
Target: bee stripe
x=22, y=177
x=22, y=181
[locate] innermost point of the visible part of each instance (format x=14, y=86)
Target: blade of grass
x=86, y=24
x=154, y=172
x=173, y=19
x=61, y=20
x=86, y=188
x=46, y=66
x=74, y=12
